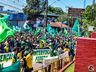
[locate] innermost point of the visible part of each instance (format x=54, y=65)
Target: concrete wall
x=85, y=54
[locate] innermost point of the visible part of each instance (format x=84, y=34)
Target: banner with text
x=40, y=54
x=6, y=59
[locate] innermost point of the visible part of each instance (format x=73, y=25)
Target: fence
x=55, y=64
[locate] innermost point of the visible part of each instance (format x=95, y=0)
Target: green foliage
x=87, y=17
x=55, y=10
x=58, y=11
x=88, y=12
x=34, y=7
x=86, y=24
x=94, y=24
x=62, y=18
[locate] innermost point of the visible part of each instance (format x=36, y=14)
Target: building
x=14, y=8
x=17, y=19
x=75, y=12
x=14, y=5
x=1, y=8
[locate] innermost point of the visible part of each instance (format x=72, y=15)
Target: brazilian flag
x=5, y=31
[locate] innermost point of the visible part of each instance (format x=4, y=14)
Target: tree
x=62, y=18
x=87, y=17
x=94, y=24
x=55, y=10
x=88, y=12
x=34, y=7
x=58, y=11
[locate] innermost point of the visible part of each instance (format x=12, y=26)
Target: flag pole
x=46, y=12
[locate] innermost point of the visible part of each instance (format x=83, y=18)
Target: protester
x=15, y=56
x=23, y=44
x=6, y=48
x=24, y=67
x=19, y=55
x=2, y=47
x=29, y=60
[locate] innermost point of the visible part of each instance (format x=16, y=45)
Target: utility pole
x=46, y=12
x=93, y=10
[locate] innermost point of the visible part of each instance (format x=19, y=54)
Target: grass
x=70, y=68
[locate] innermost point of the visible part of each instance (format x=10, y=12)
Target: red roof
x=58, y=24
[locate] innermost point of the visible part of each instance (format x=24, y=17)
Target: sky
x=64, y=4
x=16, y=5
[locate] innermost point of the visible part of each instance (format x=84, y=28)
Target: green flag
x=65, y=32
x=13, y=68
x=6, y=17
x=37, y=31
x=50, y=30
x=5, y=31
x=76, y=28
x=44, y=37
x=56, y=31
x=16, y=28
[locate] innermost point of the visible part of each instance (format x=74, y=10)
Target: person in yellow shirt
x=19, y=55
x=67, y=59
x=29, y=60
x=66, y=49
x=6, y=48
x=41, y=43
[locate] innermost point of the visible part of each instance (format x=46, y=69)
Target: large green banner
x=40, y=54
x=6, y=59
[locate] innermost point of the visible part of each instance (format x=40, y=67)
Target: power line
x=66, y=5
x=11, y=6
x=13, y=3
x=54, y=2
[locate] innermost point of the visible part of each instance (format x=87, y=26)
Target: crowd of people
x=23, y=43
x=39, y=23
